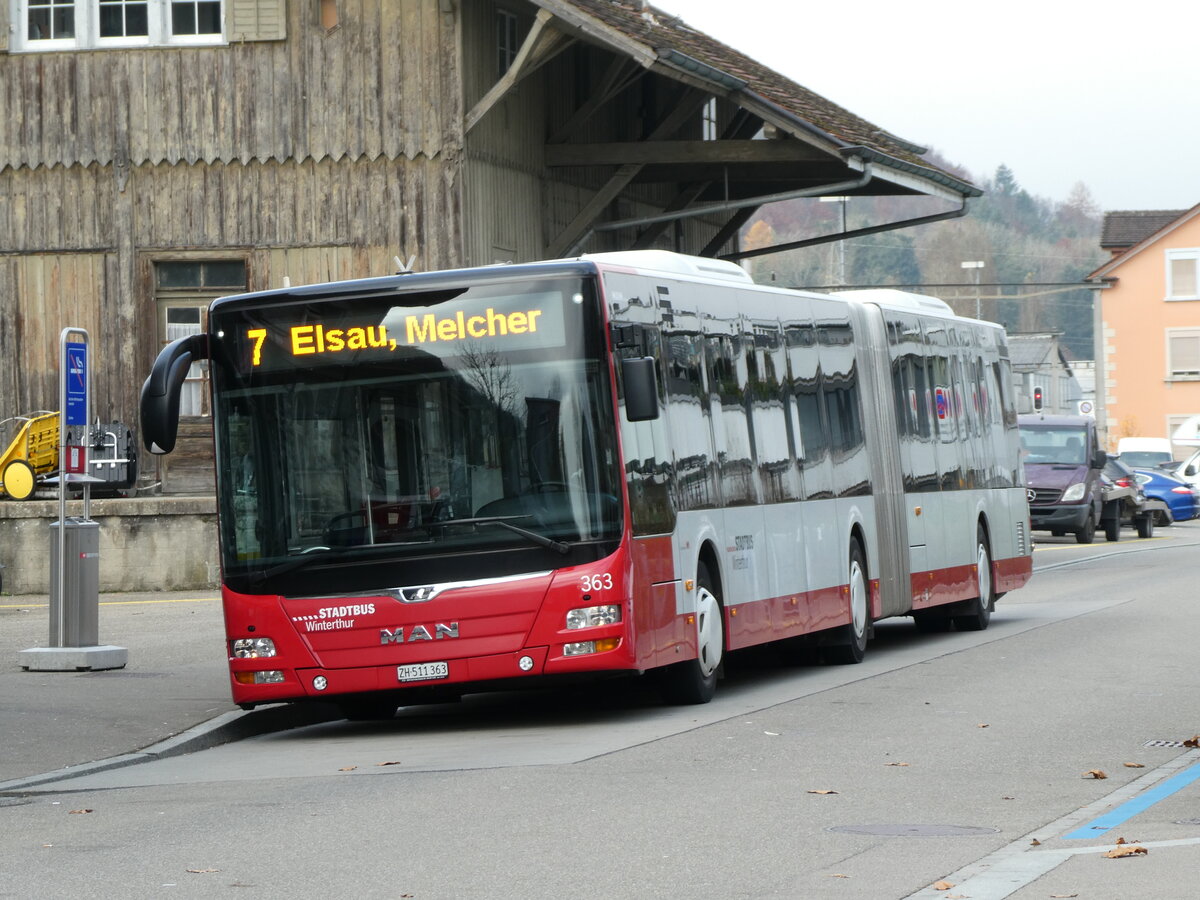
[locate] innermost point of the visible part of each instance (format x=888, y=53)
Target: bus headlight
x=584, y=647
x=252, y=648
x=1074, y=492
x=589, y=616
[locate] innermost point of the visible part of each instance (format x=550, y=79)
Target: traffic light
x=1038, y=398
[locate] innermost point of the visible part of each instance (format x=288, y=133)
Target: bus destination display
x=270, y=340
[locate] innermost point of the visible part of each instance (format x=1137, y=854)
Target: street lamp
x=976, y=265
x=841, y=245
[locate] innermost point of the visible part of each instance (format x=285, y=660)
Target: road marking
x=1007, y=870
x=1131, y=808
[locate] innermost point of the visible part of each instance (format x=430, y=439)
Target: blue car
x=1182, y=500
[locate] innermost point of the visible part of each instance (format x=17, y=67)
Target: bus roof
x=673, y=263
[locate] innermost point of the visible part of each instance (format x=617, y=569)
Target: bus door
x=636, y=307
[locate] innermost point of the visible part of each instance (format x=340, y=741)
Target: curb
x=224, y=729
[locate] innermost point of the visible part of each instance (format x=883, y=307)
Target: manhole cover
x=1175, y=745
x=13, y=801
x=914, y=830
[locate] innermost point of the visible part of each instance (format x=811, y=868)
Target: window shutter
x=257, y=20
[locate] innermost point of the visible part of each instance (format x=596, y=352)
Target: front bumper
x=1065, y=517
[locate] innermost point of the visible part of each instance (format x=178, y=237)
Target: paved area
x=172, y=695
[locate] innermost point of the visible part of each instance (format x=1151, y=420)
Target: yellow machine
x=32, y=455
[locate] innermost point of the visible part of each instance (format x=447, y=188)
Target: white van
x=1145, y=452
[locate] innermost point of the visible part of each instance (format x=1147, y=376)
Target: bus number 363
x=597, y=582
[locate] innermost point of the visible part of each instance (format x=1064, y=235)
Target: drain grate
x=1187, y=821
x=914, y=830
x=1170, y=745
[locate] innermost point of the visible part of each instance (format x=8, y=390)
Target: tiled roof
x=1124, y=228
x=677, y=43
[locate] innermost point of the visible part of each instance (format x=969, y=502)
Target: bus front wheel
x=695, y=680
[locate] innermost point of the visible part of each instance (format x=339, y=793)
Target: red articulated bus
x=432, y=484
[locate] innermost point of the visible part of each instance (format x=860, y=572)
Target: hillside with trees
x=1030, y=246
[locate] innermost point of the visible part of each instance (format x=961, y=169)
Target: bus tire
x=849, y=642
x=695, y=680
x=979, y=612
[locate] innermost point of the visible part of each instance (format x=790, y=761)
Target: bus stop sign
x=76, y=386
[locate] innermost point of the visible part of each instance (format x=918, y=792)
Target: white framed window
x=96, y=24
x=1183, y=353
x=507, y=41
x=708, y=126
x=1183, y=274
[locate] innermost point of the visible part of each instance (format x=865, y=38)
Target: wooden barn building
x=157, y=154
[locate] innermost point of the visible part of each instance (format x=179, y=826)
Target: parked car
x=1188, y=470
x=1125, y=503
x=1062, y=460
x=1181, y=499
x=1145, y=452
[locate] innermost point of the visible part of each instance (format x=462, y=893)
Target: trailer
x=31, y=456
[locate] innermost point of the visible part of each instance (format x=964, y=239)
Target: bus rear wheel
x=695, y=680
x=849, y=642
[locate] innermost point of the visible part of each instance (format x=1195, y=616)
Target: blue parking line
x=1131, y=808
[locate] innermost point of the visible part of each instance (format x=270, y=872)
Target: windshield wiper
x=506, y=522
x=314, y=555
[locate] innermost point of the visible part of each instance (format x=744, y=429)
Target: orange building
x=1148, y=353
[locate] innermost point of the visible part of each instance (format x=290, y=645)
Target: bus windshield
x=402, y=429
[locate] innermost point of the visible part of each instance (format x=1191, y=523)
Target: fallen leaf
x=897, y=764
x=835, y=875
x=1008, y=798
x=1133, y=765
x=1094, y=773
x=823, y=792
x=394, y=762
x=942, y=885
x=1126, y=850
x=203, y=871
x=79, y=812
x=1192, y=742
x=983, y=725
x=1035, y=843
x=347, y=768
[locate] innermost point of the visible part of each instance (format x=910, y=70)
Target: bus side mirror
x=160, y=392
x=641, y=389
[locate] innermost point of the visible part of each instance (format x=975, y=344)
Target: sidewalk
x=175, y=683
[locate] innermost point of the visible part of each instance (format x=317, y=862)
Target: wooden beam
x=542, y=44
x=688, y=105
x=680, y=153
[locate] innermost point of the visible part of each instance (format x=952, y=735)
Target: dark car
x=1182, y=501
x=1062, y=459
x=1125, y=503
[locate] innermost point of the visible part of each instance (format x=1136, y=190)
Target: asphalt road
x=966, y=759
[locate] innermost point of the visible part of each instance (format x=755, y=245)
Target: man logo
x=418, y=633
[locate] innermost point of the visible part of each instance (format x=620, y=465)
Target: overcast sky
x=1060, y=91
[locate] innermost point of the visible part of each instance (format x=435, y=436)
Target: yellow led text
x=429, y=328
x=319, y=339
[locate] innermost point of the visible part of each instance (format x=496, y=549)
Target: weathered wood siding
x=384, y=82
x=310, y=221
